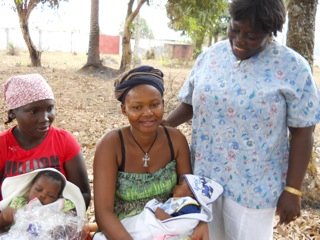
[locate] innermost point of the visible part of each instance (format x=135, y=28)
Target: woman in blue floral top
x=254, y=106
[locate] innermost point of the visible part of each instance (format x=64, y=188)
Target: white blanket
x=145, y=226
x=20, y=184
x=37, y=221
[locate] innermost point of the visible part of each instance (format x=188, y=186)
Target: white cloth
x=36, y=221
x=231, y=221
x=145, y=226
x=206, y=191
x=20, y=184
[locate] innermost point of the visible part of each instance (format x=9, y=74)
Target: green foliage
x=50, y=3
x=198, y=18
x=144, y=30
x=287, y=2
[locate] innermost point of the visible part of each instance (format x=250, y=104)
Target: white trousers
x=232, y=221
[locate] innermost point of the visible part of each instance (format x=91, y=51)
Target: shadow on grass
x=101, y=71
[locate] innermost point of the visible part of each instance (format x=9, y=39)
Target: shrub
x=12, y=50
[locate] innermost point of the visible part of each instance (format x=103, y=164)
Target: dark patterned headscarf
x=137, y=76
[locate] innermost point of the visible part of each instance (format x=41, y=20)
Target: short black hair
x=268, y=15
x=53, y=175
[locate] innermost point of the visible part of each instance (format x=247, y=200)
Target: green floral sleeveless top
x=21, y=201
x=134, y=190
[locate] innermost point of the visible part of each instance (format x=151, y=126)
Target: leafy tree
x=127, y=33
x=24, y=9
x=197, y=18
x=144, y=30
x=219, y=30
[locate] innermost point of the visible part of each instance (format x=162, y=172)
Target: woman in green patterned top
x=139, y=162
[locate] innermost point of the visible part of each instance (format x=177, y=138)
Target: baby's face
x=45, y=189
x=182, y=190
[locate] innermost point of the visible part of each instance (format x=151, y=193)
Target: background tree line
x=204, y=21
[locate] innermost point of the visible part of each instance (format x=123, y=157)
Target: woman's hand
x=301, y=142
x=288, y=207
x=201, y=232
x=7, y=217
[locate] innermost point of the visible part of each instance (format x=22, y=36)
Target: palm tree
x=93, y=59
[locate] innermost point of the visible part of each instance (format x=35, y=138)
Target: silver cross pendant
x=145, y=160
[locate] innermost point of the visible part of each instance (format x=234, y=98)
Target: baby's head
x=47, y=186
x=182, y=189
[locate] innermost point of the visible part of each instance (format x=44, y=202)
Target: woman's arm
x=76, y=172
x=105, y=171
x=301, y=143
x=184, y=167
x=6, y=217
x=181, y=114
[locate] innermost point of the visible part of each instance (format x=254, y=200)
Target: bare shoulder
x=108, y=149
x=175, y=133
x=181, y=150
x=110, y=138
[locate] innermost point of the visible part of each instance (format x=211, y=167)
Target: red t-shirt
x=58, y=147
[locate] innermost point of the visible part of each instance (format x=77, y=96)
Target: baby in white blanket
x=41, y=204
x=168, y=220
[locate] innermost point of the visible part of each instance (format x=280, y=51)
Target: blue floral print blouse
x=241, y=114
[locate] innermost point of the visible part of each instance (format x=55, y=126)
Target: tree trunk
x=94, y=64
x=210, y=39
x=35, y=55
x=301, y=27
x=24, y=13
x=300, y=37
x=216, y=37
x=198, y=44
x=93, y=59
x=126, y=47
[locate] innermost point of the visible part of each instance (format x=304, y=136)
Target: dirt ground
x=86, y=107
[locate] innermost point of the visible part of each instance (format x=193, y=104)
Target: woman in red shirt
x=34, y=143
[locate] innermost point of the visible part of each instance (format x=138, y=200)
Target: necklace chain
x=146, y=157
